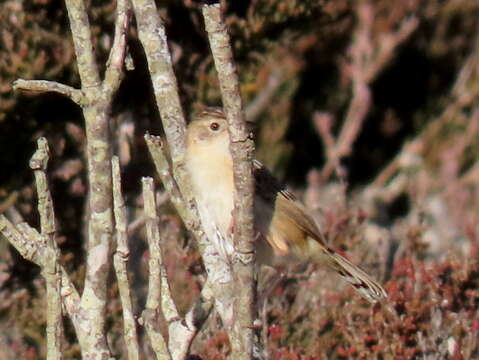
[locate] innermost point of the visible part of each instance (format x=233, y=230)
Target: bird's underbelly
x=213, y=187
x=219, y=205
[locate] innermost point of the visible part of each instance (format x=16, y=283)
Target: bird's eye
x=214, y=126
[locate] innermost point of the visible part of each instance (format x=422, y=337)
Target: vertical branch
x=181, y=331
x=51, y=270
x=120, y=261
x=241, y=149
x=153, y=38
x=158, y=154
x=81, y=34
x=114, y=71
x=96, y=106
x=153, y=307
x=95, y=97
x=100, y=227
x=176, y=180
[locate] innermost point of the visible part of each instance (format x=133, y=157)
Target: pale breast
x=213, y=185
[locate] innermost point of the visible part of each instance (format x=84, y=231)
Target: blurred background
x=368, y=110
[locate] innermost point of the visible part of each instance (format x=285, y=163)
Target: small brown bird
x=286, y=233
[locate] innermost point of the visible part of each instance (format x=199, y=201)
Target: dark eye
x=214, y=126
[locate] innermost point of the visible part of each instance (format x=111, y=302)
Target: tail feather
x=362, y=282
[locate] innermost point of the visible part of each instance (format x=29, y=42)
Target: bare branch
x=157, y=289
x=95, y=99
x=263, y=99
x=241, y=148
x=41, y=86
x=114, y=71
x=158, y=154
x=181, y=335
x=120, y=261
x=31, y=250
x=28, y=248
x=51, y=271
x=153, y=38
x=100, y=227
x=38, y=163
x=181, y=331
x=369, y=53
x=81, y=35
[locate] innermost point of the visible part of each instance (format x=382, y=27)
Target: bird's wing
x=288, y=210
x=287, y=219
x=267, y=186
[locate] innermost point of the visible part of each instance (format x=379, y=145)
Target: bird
x=285, y=232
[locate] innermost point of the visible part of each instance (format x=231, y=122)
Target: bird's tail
x=362, y=282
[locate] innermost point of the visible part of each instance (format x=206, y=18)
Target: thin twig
x=31, y=250
x=41, y=86
x=181, y=335
x=263, y=98
x=115, y=65
x=120, y=261
x=51, y=271
x=158, y=154
x=154, y=301
x=364, y=66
